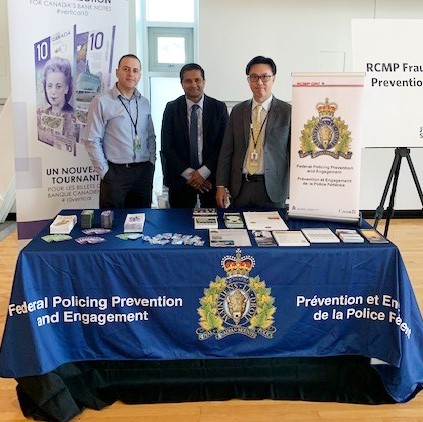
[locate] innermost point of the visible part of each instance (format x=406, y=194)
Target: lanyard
x=261, y=128
x=129, y=114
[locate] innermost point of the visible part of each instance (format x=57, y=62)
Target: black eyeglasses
x=255, y=78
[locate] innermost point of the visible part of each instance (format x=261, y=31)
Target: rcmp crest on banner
x=237, y=303
x=326, y=134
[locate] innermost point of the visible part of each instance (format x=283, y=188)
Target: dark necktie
x=193, y=137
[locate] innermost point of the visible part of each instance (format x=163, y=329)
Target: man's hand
x=197, y=182
x=221, y=197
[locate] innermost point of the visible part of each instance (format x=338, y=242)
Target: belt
x=128, y=165
x=254, y=177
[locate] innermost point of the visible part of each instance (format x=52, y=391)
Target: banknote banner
x=93, y=68
x=72, y=53
x=54, y=91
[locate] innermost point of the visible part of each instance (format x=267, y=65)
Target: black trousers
x=127, y=186
x=186, y=197
x=253, y=194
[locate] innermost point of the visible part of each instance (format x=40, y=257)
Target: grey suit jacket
x=276, y=149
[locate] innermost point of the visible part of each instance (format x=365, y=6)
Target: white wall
x=4, y=53
x=301, y=36
x=295, y=33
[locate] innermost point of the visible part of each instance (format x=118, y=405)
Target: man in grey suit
x=253, y=165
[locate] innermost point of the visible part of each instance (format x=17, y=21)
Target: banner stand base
x=400, y=153
x=347, y=220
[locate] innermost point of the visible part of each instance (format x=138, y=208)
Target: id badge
x=254, y=158
x=137, y=143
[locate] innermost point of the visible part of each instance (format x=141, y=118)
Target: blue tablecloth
x=127, y=300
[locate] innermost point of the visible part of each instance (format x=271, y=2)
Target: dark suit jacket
x=175, y=138
x=276, y=149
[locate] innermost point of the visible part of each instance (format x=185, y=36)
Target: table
x=131, y=301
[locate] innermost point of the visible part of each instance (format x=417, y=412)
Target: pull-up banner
x=62, y=54
x=390, y=52
x=325, y=146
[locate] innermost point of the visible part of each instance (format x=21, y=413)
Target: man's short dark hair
x=261, y=60
x=131, y=56
x=191, y=66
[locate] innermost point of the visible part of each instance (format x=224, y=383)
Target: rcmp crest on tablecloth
x=236, y=304
x=326, y=134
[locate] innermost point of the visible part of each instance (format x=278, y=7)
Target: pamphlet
x=264, y=238
x=264, y=220
x=63, y=224
x=134, y=223
x=233, y=220
x=290, y=238
x=229, y=237
x=204, y=211
x=205, y=222
x=373, y=236
x=320, y=235
x=349, y=235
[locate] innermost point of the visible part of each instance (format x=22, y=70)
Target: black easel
x=400, y=153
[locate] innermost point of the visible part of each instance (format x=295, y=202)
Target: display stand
x=393, y=176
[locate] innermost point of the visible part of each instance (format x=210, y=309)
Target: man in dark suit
x=253, y=165
x=192, y=132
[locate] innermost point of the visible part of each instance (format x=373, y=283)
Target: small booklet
x=264, y=220
x=320, y=235
x=264, y=238
x=373, y=236
x=290, y=238
x=349, y=235
x=134, y=223
x=63, y=224
x=233, y=220
x=204, y=211
x=205, y=222
x=229, y=237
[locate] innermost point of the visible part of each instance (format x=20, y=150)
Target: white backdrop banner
x=390, y=52
x=61, y=55
x=325, y=146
